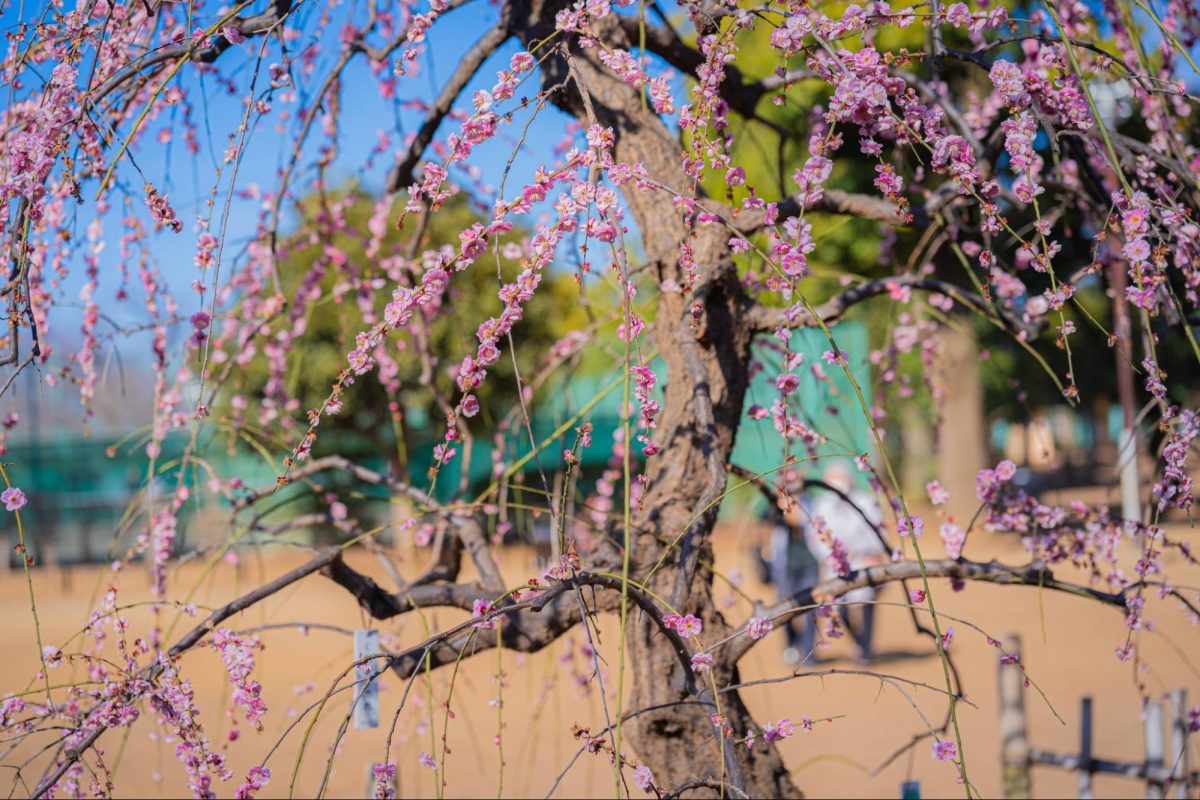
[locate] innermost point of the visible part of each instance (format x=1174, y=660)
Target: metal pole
x=1127, y=458
x=1085, y=749
x=1014, y=732
x=1181, y=761
x=1155, y=747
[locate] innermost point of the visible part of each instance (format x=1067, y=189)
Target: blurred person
x=791, y=567
x=852, y=516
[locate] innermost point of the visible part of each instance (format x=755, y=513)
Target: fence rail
x=1156, y=769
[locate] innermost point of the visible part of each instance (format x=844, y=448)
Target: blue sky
x=189, y=181
x=364, y=113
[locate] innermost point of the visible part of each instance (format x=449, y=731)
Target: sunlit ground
x=1068, y=648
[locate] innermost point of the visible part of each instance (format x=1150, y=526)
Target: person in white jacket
x=852, y=517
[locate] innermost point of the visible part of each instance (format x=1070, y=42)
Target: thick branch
x=253, y=25
x=803, y=601
x=530, y=625
x=382, y=604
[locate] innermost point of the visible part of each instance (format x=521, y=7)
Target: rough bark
x=704, y=339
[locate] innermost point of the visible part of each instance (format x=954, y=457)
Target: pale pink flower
x=760, y=627
x=13, y=498
x=937, y=495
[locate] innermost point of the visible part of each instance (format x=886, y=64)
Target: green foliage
x=377, y=419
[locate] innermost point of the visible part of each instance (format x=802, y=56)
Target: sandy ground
x=1068, y=647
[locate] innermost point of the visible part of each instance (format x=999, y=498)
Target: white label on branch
x=366, y=689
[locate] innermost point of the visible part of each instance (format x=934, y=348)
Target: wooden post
x=1014, y=732
x=1155, y=748
x=1085, y=749
x=1181, y=762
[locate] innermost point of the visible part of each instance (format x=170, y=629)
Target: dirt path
x=1068, y=648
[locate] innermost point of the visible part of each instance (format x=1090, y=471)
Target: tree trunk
x=704, y=338
x=961, y=446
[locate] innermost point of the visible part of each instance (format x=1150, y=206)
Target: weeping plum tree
x=1011, y=159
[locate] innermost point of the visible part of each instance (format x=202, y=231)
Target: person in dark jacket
x=791, y=568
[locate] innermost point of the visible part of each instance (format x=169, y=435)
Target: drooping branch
x=472, y=60
x=772, y=497
x=663, y=41
x=253, y=25
x=187, y=642
x=384, y=51
x=763, y=318
x=370, y=596
x=803, y=601
x=249, y=26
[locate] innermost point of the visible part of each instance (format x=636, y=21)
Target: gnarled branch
x=467, y=529
x=531, y=625
x=382, y=604
x=803, y=601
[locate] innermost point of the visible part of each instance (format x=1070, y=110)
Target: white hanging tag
x=366, y=690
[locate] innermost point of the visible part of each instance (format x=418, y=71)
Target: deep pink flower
x=773, y=732
x=480, y=609
x=947, y=638
x=385, y=780
x=945, y=751
x=690, y=626
x=256, y=778
x=685, y=626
